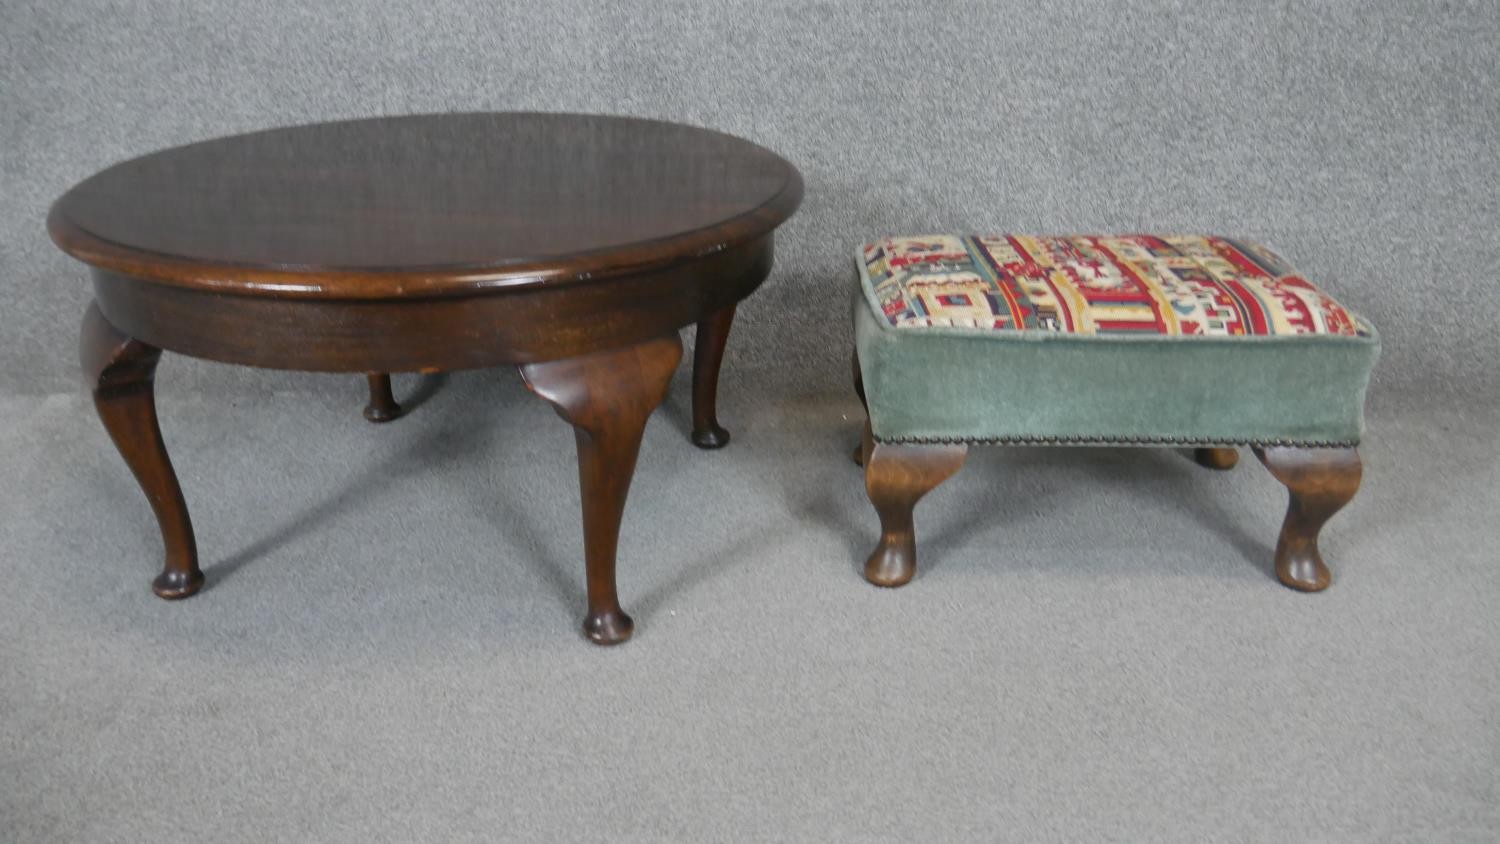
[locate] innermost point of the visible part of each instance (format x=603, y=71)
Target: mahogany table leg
x=382, y=406
x=708, y=354
x=1217, y=458
x=121, y=371
x=1320, y=482
x=896, y=478
x=606, y=397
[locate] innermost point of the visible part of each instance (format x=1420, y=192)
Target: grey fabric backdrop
x=1094, y=650
x=1358, y=137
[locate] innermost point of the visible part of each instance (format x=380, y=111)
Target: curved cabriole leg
x=859, y=390
x=121, y=371
x=896, y=478
x=1217, y=458
x=382, y=406
x=1320, y=482
x=606, y=397
x=708, y=354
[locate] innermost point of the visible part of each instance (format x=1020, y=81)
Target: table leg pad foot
x=711, y=437
x=378, y=414
x=176, y=585
x=382, y=406
x=608, y=628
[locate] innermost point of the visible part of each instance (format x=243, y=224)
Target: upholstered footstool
x=1178, y=341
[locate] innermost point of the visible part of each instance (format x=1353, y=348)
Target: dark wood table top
x=426, y=205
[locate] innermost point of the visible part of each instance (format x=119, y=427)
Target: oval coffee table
x=573, y=246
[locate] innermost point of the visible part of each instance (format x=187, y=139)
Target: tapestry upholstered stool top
x=1109, y=340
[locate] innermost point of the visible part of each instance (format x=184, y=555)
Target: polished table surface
x=572, y=246
x=426, y=204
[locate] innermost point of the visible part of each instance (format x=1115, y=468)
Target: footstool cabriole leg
x=896, y=478
x=121, y=371
x=1222, y=459
x=382, y=406
x=859, y=390
x=708, y=355
x=607, y=398
x=1320, y=481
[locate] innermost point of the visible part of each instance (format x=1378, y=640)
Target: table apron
x=487, y=328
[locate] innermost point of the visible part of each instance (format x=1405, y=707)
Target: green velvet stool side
x=1181, y=341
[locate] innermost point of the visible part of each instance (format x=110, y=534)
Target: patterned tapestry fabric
x=1120, y=285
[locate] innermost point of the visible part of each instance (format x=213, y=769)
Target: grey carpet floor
x=388, y=649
